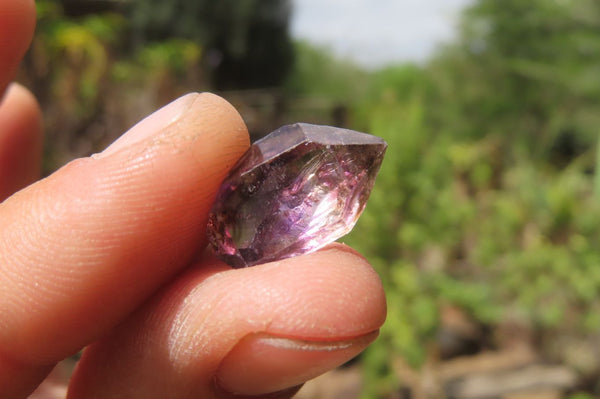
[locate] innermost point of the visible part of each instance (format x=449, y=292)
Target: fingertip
x=23, y=102
x=334, y=307
x=207, y=114
x=339, y=281
x=151, y=125
x=222, y=114
x=329, y=294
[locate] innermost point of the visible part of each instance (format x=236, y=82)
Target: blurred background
x=484, y=223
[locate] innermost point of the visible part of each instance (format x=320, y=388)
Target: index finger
x=83, y=248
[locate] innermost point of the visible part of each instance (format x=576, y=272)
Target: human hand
x=108, y=253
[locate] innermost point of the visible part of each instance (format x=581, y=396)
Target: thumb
x=257, y=332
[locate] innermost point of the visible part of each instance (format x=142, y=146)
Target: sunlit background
x=485, y=220
x=373, y=34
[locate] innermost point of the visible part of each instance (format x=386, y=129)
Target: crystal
x=294, y=191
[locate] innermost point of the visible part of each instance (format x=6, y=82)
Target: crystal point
x=294, y=191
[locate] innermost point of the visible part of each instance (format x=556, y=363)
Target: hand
x=108, y=253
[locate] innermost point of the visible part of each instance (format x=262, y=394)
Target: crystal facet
x=293, y=192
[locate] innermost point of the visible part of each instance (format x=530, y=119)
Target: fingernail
x=262, y=363
x=151, y=125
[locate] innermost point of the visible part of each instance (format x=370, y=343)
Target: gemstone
x=294, y=191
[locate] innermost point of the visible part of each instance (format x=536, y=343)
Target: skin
x=108, y=253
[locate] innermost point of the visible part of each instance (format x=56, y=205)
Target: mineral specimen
x=293, y=192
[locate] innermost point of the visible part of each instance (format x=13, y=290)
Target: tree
x=246, y=42
x=540, y=60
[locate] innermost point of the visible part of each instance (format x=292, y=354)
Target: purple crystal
x=293, y=192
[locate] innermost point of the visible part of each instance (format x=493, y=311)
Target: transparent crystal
x=294, y=191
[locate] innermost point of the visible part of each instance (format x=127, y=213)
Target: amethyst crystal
x=293, y=192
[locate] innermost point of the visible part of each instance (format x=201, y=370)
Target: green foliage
x=80, y=66
x=247, y=41
x=506, y=240
x=77, y=54
x=478, y=203
x=530, y=67
x=316, y=74
x=581, y=395
x=170, y=57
